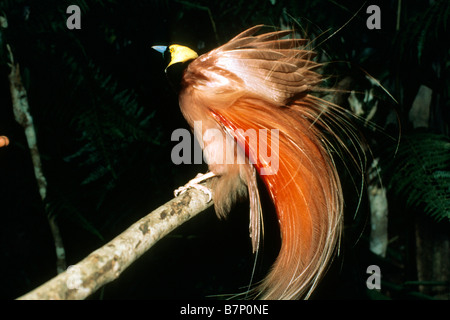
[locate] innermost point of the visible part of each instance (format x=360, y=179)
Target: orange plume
x=261, y=84
x=305, y=190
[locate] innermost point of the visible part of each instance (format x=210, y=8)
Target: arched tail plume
x=304, y=186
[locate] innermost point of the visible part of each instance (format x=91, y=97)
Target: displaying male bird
x=252, y=96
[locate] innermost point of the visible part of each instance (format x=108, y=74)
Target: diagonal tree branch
x=107, y=263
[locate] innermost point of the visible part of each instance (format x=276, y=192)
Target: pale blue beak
x=160, y=49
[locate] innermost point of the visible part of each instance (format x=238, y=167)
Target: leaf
x=420, y=173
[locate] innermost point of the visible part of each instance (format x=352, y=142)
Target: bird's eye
x=171, y=50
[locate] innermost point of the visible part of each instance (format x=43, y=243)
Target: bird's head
x=178, y=54
x=178, y=57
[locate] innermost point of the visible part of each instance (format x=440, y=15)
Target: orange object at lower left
x=4, y=141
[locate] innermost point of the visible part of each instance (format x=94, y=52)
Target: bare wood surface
x=107, y=263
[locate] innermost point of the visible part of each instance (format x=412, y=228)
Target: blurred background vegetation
x=104, y=112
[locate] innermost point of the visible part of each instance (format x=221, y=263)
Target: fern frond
x=113, y=122
x=420, y=173
x=424, y=31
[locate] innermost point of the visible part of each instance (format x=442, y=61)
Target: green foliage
x=109, y=126
x=100, y=130
x=424, y=31
x=420, y=173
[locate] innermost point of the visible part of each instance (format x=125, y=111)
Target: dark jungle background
x=104, y=113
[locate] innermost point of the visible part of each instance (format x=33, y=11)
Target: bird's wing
x=269, y=65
